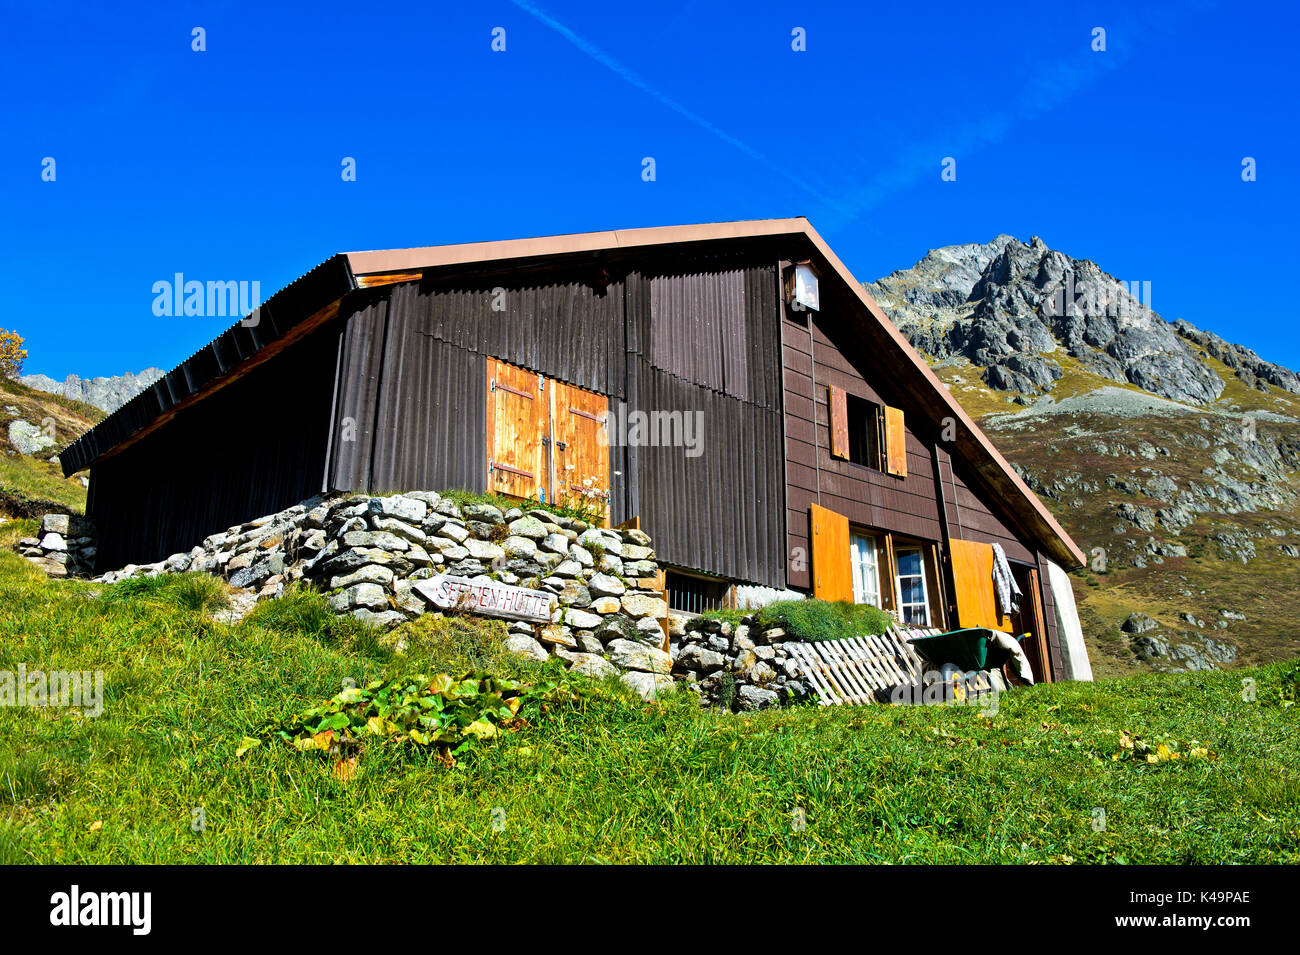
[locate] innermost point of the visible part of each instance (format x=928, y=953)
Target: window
x=866, y=574
x=695, y=594
x=864, y=431
x=914, y=607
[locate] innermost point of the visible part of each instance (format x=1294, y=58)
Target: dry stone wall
x=371, y=553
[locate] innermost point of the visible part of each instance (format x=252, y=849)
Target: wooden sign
x=487, y=597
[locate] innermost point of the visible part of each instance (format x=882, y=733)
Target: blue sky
x=225, y=164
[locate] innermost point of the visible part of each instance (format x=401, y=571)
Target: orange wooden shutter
x=831, y=569
x=839, y=412
x=972, y=577
x=895, y=442
x=516, y=421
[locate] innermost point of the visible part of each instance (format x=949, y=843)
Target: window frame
x=855, y=566
x=904, y=604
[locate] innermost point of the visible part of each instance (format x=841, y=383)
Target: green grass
x=609, y=779
x=813, y=619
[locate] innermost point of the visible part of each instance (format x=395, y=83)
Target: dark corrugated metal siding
x=412, y=380
x=252, y=448
x=720, y=512
x=413, y=371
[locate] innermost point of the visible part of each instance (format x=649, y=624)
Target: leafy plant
x=442, y=714
x=1162, y=749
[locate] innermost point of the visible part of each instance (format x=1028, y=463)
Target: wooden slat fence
x=861, y=669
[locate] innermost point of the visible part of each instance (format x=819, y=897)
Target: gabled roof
x=314, y=298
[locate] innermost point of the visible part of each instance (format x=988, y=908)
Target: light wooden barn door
x=579, y=440
x=517, y=419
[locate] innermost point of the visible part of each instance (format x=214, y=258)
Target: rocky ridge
x=108, y=394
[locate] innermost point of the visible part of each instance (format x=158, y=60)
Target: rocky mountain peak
x=108, y=394
x=1011, y=306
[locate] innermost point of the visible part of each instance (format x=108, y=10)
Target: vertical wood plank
x=895, y=442
x=839, y=422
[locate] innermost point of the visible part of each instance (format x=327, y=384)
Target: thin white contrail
x=604, y=59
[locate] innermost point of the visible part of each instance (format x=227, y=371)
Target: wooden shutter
x=972, y=578
x=580, y=440
x=516, y=421
x=934, y=588
x=832, y=571
x=889, y=576
x=895, y=442
x=839, y=412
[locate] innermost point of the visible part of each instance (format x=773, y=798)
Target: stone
x=588, y=664
x=403, y=508
x=648, y=686
x=53, y=541
x=582, y=556
x=698, y=658
x=520, y=547
x=1138, y=623
x=567, y=568
x=574, y=594
x=644, y=605
x=603, y=585
x=384, y=620
x=556, y=543
x=483, y=550
x=558, y=635
x=526, y=646
x=582, y=619
x=367, y=595
x=761, y=673
x=380, y=539
x=630, y=655
x=51, y=567
x=605, y=605
x=454, y=531
x=611, y=564
x=28, y=438
x=636, y=536
x=398, y=528
x=635, y=552
x=529, y=527
x=55, y=524
x=485, y=513
x=255, y=574
x=755, y=698
x=588, y=642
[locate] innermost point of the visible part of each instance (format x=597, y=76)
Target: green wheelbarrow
x=969, y=649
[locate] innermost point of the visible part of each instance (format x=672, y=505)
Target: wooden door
x=832, y=570
x=1032, y=601
x=517, y=420
x=579, y=441
x=972, y=577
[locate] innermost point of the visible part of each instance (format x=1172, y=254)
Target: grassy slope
x=1264, y=590
x=34, y=476
x=621, y=781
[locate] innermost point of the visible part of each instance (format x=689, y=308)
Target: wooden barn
x=732, y=385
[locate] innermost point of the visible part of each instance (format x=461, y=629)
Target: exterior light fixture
x=801, y=287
